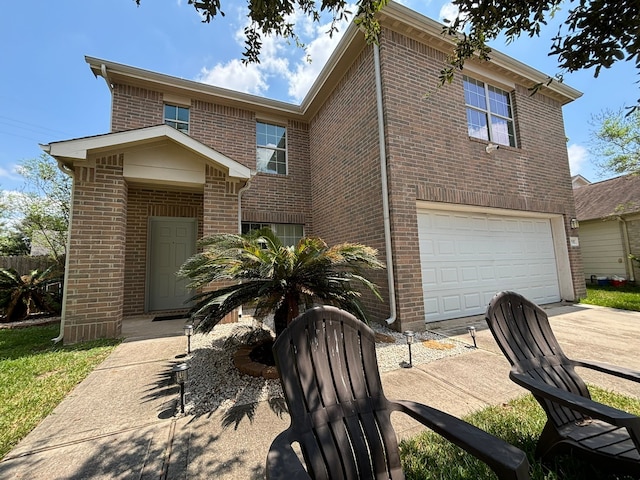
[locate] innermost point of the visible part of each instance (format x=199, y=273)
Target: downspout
x=627, y=247
x=385, y=187
x=105, y=75
x=240, y=192
x=68, y=171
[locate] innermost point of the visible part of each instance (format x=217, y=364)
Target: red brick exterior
x=333, y=183
x=94, y=288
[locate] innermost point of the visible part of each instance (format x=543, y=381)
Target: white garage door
x=467, y=257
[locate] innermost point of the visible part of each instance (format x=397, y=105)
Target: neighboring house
x=365, y=157
x=609, y=215
x=578, y=181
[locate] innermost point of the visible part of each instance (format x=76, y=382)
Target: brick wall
x=142, y=204
x=96, y=265
x=135, y=107
x=432, y=158
x=232, y=132
x=345, y=170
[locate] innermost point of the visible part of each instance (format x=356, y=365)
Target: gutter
x=68, y=171
x=385, y=187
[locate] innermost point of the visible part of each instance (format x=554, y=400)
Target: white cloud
x=448, y=11
x=578, y=156
x=236, y=76
x=280, y=60
x=318, y=51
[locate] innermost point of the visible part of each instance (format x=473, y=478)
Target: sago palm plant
x=277, y=278
x=21, y=295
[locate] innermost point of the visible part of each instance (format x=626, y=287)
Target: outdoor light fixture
x=492, y=147
x=409, y=335
x=574, y=223
x=188, y=330
x=180, y=375
x=472, y=332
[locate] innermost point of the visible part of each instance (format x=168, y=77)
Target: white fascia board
x=78, y=149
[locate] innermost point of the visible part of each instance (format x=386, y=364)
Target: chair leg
x=546, y=442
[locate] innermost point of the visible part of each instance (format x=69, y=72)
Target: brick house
x=366, y=157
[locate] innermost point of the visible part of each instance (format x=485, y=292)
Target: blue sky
x=48, y=92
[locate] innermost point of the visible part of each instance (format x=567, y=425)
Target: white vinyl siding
x=602, y=249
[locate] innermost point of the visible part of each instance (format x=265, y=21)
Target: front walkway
x=122, y=421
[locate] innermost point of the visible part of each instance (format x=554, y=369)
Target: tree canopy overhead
x=616, y=142
x=594, y=33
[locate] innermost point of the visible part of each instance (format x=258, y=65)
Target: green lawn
x=625, y=298
x=36, y=374
x=519, y=422
x=427, y=456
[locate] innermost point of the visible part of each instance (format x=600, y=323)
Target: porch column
x=220, y=212
x=95, y=277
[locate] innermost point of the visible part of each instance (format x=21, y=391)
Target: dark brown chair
x=575, y=423
x=340, y=417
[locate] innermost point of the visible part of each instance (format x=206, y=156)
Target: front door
x=171, y=242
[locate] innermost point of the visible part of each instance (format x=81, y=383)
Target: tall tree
x=615, y=142
x=595, y=33
x=42, y=206
x=13, y=241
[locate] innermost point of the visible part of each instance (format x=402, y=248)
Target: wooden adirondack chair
x=575, y=423
x=340, y=417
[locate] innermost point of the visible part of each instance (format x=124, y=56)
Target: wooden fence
x=25, y=264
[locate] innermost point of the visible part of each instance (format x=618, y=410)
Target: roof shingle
x=616, y=196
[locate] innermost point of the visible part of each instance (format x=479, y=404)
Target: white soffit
x=78, y=149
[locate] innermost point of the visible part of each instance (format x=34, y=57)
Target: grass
x=625, y=298
x=427, y=456
x=36, y=374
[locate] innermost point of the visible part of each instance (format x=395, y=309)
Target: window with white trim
x=177, y=117
x=489, y=112
x=288, y=233
x=271, y=143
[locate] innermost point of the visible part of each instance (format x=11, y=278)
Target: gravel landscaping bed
x=215, y=383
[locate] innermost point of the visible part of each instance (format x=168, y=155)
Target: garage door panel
x=477, y=255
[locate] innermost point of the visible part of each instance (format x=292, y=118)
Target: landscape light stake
x=409, y=335
x=180, y=373
x=472, y=332
x=188, y=330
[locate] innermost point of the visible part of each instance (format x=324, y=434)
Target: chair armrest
x=575, y=402
x=507, y=461
x=609, y=369
x=282, y=461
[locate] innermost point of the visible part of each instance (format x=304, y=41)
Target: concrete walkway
x=121, y=422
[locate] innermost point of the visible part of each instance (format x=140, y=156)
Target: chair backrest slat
x=339, y=415
x=522, y=330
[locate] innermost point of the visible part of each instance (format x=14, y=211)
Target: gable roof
x=578, y=181
x=69, y=151
x=616, y=196
x=394, y=16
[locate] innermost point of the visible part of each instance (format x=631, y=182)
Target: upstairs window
x=177, y=117
x=489, y=113
x=271, y=142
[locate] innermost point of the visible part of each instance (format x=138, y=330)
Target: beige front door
x=171, y=242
